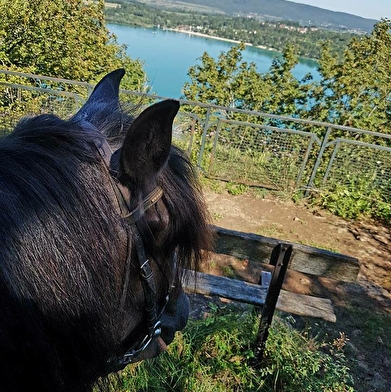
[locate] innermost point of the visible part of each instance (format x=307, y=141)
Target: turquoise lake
x=168, y=55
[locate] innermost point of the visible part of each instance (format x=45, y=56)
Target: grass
x=217, y=216
x=263, y=168
x=271, y=230
x=371, y=326
x=215, y=354
x=228, y=271
x=366, y=339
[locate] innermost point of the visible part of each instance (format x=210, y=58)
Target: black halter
x=131, y=217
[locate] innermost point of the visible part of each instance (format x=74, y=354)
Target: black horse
x=93, y=242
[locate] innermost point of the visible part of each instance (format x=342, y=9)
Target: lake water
x=168, y=55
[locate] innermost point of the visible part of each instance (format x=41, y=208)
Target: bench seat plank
x=306, y=259
x=303, y=305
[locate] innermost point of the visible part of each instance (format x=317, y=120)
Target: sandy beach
x=221, y=39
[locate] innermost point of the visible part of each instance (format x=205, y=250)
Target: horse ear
x=147, y=144
x=103, y=100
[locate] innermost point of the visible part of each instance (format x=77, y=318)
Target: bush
x=354, y=199
x=297, y=362
x=214, y=355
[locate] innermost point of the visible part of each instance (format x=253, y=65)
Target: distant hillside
x=277, y=10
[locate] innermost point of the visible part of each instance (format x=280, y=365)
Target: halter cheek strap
x=131, y=217
x=146, y=273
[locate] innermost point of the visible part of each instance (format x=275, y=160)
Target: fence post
x=305, y=160
x=192, y=132
x=318, y=160
x=331, y=160
x=214, y=146
x=203, y=140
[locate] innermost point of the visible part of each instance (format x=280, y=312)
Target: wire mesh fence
x=357, y=173
x=252, y=148
x=351, y=159
x=25, y=94
x=256, y=155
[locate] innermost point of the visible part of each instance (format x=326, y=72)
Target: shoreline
x=181, y=31
x=223, y=39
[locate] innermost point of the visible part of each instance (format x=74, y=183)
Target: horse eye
x=157, y=221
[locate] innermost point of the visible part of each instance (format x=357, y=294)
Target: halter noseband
x=131, y=217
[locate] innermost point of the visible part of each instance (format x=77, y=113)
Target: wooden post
x=280, y=258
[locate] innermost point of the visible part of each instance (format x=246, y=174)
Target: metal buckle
x=130, y=355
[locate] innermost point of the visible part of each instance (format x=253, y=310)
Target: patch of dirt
x=368, y=241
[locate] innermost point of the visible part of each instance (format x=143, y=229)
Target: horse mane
x=184, y=201
x=60, y=233
x=56, y=231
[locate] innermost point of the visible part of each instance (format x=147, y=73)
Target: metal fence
x=252, y=148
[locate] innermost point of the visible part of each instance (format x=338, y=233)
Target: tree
x=286, y=94
x=62, y=38
x=356, y=91
x=236, y=84
x=226, y=82
x=213, y=81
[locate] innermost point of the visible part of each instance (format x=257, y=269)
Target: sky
x=373, y=9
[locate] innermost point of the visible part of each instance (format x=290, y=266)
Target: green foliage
x=65, y=39
x=56, y=38
x=355, y=90
x=297, y=362
x=285, y=93
x=224, y=82
x=236, y=189
x=234, y=83
x=214, y=354
x=353, y=199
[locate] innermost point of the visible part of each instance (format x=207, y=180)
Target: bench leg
x=280, y=258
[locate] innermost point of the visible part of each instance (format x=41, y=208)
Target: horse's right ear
x=103, y=100
x=147, y=144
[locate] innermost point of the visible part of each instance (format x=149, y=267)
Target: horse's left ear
x=147, y=144
x=103, y=100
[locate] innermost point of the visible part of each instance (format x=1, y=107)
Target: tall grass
x=215, y=354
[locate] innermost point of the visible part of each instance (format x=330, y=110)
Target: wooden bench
x=283, y=256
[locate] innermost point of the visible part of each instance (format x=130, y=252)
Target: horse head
x=100, y=215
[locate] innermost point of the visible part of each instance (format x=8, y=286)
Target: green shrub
x=356, y=198
x=214, y=355
x=236, y=189
x=297, y=362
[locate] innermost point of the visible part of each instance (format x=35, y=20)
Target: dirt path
x=367, y=241
x=357, y=305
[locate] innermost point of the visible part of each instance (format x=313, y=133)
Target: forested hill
x=278, y=10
